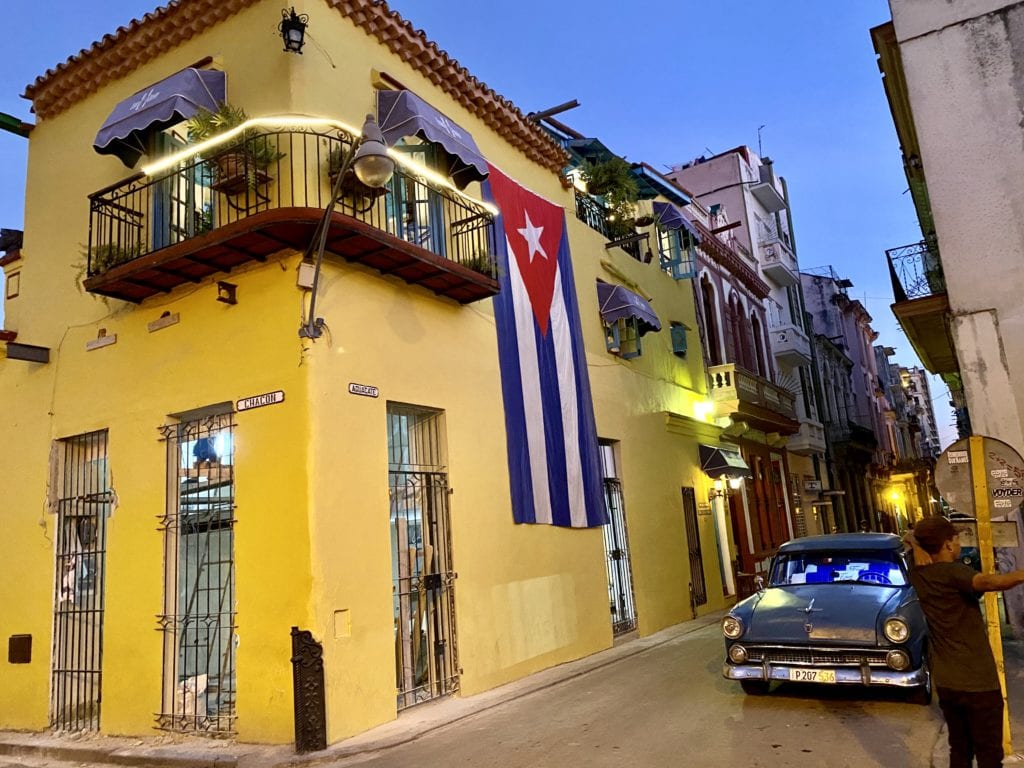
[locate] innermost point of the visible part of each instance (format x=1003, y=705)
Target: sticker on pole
x=958, y=457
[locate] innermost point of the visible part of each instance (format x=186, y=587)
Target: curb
x=159, y=758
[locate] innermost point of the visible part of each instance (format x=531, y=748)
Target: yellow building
x=217, y=436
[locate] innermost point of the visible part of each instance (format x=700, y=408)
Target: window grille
x=616, y=546
x=198, y=623
x=698, y=586
x=426, y=649
x=83, y=505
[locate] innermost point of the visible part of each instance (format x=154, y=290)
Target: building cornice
x=142, y=40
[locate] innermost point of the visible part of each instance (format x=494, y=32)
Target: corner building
x=195, y=477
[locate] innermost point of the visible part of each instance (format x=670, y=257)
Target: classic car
x=836, y=609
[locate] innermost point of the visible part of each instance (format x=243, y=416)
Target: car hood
x=839, y=613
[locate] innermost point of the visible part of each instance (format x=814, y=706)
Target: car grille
x=829, y=656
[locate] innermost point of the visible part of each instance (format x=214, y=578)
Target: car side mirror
x=759, y=583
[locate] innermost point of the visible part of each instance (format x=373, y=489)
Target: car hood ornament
x=810, y=608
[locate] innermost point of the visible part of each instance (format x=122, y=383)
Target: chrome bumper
x=862, y=675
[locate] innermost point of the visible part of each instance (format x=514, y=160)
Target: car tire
x=922, y=695
x=755, y=687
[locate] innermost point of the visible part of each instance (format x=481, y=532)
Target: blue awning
x=403, y=113
x=670, y=217
x=618, y=303
x=158, y=106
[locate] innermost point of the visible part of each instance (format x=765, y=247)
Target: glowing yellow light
x=305, y=121
x=703, y=410
x=894, y=495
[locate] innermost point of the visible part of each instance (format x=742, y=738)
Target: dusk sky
x=662, y=81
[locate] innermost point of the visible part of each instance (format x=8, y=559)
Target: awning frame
x=721, y=462
x=401, y=113
x=158, y=106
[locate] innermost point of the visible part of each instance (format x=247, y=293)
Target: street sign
x=1004, y=473
x=1004, y=533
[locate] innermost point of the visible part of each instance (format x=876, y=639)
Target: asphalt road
x=670, y=706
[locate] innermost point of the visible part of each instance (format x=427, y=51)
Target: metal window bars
x=83, y=505
x=198, y=623
x=426, y=648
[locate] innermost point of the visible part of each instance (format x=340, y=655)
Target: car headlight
x=898, y=660
x=737, y=654
x=732, y=627
x=896, y=630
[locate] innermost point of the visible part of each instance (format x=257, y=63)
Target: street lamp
x=293, y=30
x=368, y=158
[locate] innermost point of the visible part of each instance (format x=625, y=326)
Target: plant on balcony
x=242, y=160
x=101, y=258
x=613, y=180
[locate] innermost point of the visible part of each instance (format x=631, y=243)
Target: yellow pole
x=984, y=518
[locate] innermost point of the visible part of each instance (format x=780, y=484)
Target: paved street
x=666, y=706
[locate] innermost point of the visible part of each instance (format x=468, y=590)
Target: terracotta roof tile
x=142, y=40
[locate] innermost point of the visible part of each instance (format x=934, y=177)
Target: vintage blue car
x=837, y=609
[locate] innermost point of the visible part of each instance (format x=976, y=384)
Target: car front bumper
x=845, y=675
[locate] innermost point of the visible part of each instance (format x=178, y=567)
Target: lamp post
x=293, y=30
x=368, y=158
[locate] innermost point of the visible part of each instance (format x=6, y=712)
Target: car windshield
x=868, y=567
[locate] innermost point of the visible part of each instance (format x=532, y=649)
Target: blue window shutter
x=679, y=340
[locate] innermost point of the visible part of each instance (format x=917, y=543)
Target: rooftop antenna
x=759, y=154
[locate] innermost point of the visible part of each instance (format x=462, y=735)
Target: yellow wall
x=312, y=538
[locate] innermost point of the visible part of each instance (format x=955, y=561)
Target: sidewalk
x=175, y=751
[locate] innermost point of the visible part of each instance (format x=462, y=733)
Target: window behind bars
x=198, y=622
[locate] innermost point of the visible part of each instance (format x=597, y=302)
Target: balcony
x=849, y=433
x=768, y=196
x=790, y=344
x=922, y=306
x=592, y=213
x=809, y=441
x=747, y=397
x=777, y=258
x=151, y=234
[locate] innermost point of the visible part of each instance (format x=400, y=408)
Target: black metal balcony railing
x=916, y=271
x=271, y=185
x=595, y=216
x=851, y=432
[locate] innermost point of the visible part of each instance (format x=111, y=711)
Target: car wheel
x=923, y=694
x=755, y=687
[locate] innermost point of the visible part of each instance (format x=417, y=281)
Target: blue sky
x=661, y=81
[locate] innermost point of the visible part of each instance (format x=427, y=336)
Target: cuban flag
x=553, y=459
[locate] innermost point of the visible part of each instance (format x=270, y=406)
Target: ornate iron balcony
x=210, y=214
x=916, y=271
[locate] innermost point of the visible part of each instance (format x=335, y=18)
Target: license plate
x=812, y=675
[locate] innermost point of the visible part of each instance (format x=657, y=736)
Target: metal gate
x=83, y=505
x=426, y=651
x=198, y=621
x=698, y=587
x=616, y=547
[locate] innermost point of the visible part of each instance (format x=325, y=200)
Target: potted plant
x=240, y=162
x=612, y=179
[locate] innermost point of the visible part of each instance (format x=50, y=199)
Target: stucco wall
x=965, y=59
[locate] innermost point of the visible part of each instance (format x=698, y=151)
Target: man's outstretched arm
x=996, y=582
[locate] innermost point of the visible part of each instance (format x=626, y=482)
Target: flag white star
x=532, y=235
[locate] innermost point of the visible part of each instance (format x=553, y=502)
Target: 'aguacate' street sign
x=984, y=477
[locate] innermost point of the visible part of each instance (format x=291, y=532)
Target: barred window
x=199, y=579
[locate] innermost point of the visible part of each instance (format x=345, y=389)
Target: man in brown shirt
x=963, y=667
